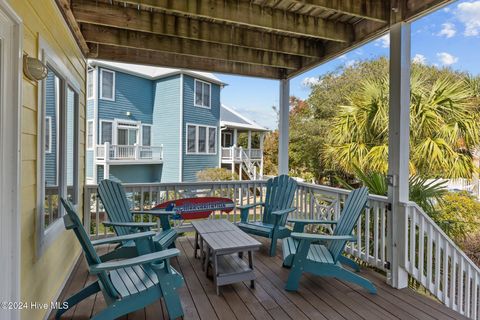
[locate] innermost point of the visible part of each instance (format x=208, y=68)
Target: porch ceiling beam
x=184, y=27
x=149, y=41
x=375, y=10
x=64, y=7
x=254, y=16
x=156, y=58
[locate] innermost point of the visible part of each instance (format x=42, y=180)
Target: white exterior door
x=10, y=108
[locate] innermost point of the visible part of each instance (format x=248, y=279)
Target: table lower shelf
x=232, y=269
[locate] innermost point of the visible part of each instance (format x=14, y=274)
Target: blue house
x=151, y=124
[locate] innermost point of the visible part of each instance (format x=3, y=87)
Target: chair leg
x=294, y=278
x=170, y=296
x=349, y=262
x=77, y=297
x=355, y=278
x=273, y=246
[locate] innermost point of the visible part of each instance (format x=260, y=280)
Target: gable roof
x=232, y=119
x=152, y=73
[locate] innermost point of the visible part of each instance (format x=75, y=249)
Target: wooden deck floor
x=318, y=298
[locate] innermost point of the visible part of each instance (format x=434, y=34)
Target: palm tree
x=444, y=124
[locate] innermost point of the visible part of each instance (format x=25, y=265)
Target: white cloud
x=447, y=9
x=419, y=58
x=310, y=81
x=469, y=14
x=446, y=58
x=383, y=41
x=448, y=30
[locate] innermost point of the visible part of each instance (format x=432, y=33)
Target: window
x=146, y=135
x=212, y=140
x=202, y=94
x=127, y=133
x=201, y=139
x=90, y=83
x=89, y=134
x=48, y=134
x=60, y=146
x=107, y=85
x=106, y=132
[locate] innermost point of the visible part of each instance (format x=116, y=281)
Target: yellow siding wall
x=42, y=277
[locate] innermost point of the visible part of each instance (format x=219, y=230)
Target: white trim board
x=11, y=35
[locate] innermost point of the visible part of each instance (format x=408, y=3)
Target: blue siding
x=196, y=115
x=166, y=125
x=147, y=173
x=51, y=158
x=132, y=94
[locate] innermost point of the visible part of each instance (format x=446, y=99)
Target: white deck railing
x=436, y=262
x=432, y=258
x=129, y=152
x=235, y=154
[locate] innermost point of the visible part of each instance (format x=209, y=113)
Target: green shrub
x=216, y=174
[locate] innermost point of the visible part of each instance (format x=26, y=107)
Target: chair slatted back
x=116, y=205
x=279, y=196
x=72, y=222
x=354, y=205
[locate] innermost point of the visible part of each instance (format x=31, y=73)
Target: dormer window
x=202, y=94
x=107, y=85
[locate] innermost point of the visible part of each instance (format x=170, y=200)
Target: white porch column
x=398, y=149
x=235, y=134
x=283, y=126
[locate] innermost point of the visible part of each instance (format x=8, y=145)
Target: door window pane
x=122, y=136
x=191, y=132
x=146, y=135
x=202, y=139
x=132, y=136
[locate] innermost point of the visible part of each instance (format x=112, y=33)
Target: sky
x=449, y=37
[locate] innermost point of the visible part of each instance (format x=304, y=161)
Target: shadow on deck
x=318, y=298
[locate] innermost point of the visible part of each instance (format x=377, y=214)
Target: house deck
x=318, y=298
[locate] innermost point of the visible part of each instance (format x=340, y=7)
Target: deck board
x=317, y=298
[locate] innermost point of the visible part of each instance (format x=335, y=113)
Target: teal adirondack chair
x=129, y=284
x=116, y=206
x=277, y=206
x=305, y=253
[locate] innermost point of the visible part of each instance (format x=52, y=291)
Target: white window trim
x=90, y=132
x=46, y=236
x=209, y=96
x=100, y=131
x=92, y=79
x=49, y=127
x=197, y=139
x=141, y=133
x=101, y=85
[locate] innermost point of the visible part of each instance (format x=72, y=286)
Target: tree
x=216, y=174
x=445, y=125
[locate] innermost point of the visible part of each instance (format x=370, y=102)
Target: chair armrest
x=156, y=212
x=282, y=212
x=142, y=225
x=312, y=221
x=299, y=224
x=321, y=237
x=249, y=206
x=127, y=237
x=143, y=259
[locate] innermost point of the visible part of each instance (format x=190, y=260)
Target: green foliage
x=458, y=215
x=216, y=174
x=445, y=124
x=426, y=193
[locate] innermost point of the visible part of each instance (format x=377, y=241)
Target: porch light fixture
x=33, y=68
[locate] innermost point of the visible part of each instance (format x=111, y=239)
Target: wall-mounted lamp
x=33, y=68
x=128, y=113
